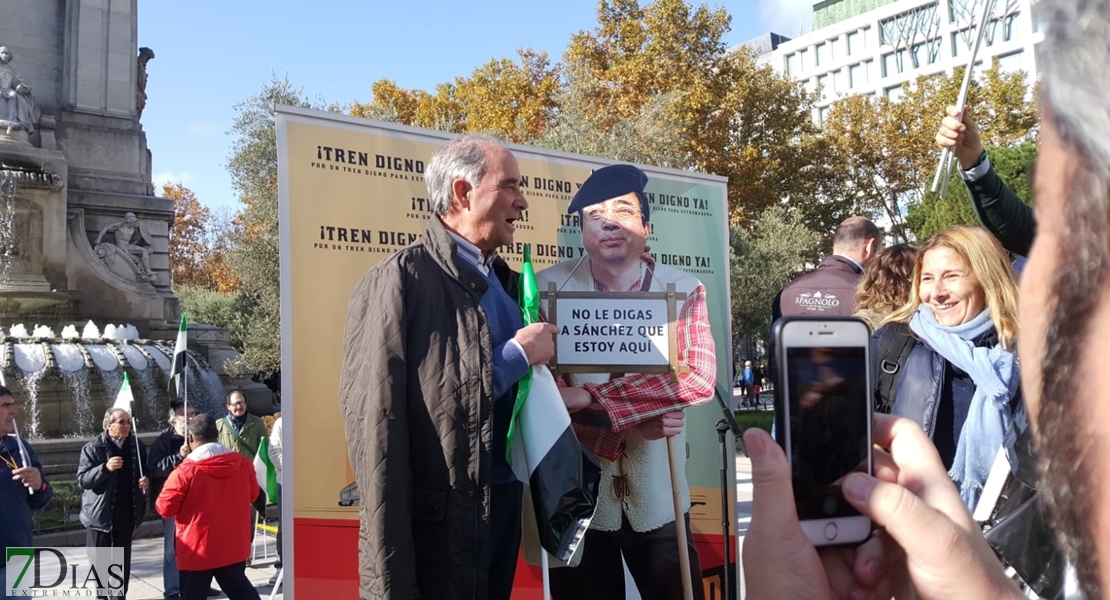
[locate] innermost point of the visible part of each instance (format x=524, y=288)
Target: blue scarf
x=989, y=425
x=238, y=422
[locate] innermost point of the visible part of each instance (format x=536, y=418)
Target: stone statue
x=130, y=239
x=145, y=54
x=17, y=106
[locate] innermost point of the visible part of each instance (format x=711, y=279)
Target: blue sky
x=210, y=55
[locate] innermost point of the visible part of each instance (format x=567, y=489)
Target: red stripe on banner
x=326, y=555
x=325, y=552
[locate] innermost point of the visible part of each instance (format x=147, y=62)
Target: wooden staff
x=680, y=522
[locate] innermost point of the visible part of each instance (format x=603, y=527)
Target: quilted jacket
x=98, y=499
x=416, y=395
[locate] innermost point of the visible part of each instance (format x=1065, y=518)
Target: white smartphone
x=823, y=420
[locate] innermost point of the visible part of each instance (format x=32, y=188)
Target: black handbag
x=1018, y=529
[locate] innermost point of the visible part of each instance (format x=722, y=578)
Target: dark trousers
x=232, y=579
x=652, y=559
x=504, y=510
x=119, y=537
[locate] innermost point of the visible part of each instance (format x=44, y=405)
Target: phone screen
x=829, y=434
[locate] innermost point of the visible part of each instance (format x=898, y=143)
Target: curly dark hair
x=887, y=281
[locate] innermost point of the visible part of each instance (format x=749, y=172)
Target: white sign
x=610, y=332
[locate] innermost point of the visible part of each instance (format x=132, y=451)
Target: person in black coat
x=168, y=450
x=113, y=503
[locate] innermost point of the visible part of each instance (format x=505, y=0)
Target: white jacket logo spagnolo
x=817, y=300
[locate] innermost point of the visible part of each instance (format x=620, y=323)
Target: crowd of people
x=206, y=494
x=967, y=378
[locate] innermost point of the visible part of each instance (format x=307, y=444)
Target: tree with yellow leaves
x=515, y=100
x=199, y=242
x=884, y=148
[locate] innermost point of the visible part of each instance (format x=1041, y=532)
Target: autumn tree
x=762, y=137
x=515, y=100
x=188, y=241
x=653, y=136
x=200, y=242
x=724, y=113
x=765, y=257
x=881, y=160
x=885, y=148
x=637, y=53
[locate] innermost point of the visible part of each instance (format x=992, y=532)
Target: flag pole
x=945, y=167
x=18, y=440
x=546, y=574
x=680, y=522
x=22, y=450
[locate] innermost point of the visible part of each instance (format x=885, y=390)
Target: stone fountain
x=68, y=381
x=83, y=237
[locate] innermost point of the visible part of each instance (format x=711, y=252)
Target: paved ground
x=146, y=558
x=744, y=488
x=146, y=568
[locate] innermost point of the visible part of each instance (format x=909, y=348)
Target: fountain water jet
x=67, y=382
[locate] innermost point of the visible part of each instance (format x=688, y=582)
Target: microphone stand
x=726, y=424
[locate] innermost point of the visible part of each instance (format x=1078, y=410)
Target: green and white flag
x=177, y=369
x=543, y=450
x=124, y=399
x=265, y=472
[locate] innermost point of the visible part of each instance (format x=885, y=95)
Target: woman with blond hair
x=959, y=378
x=885, y=285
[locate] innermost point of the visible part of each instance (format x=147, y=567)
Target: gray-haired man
x=434, y=347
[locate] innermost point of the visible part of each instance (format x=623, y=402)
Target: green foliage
x=651, y=136
x=762, y=419
x=253, y=168
x=60, y=514
x=228, y=310
x=935, y=214
x=764, y=258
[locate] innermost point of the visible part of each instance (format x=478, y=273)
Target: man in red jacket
x=210, y=494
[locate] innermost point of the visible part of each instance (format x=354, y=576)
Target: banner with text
x=351, y=193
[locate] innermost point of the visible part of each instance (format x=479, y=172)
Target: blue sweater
x=509, y=365
x=16, y=504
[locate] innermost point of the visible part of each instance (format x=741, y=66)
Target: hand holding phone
x=823, y=420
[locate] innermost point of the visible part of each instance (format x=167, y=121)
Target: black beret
x=610, y=182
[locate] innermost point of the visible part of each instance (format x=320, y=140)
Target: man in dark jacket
x=168, y=451
x=831, y=289
x=434, y=348
x=112, y=504
x=17, y=481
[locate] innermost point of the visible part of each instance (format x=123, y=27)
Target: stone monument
x=82, y=234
